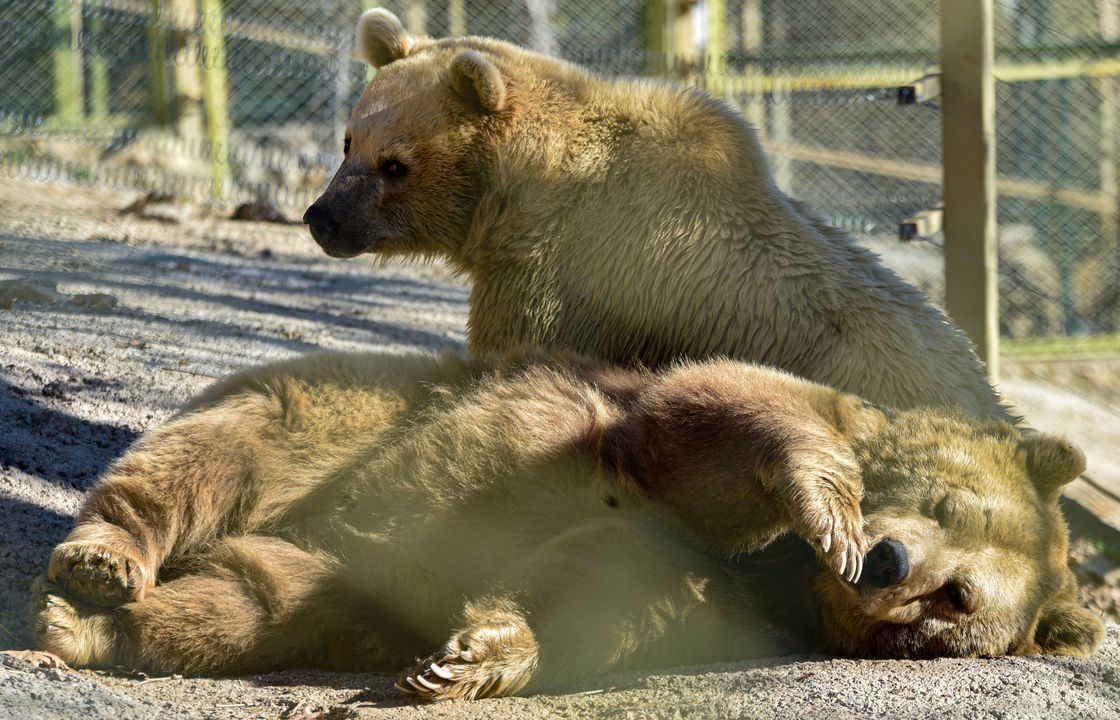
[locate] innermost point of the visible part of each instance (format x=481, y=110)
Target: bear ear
x=1051, y=462
x=1068, y=629
x=381, y=37
x=478, y=81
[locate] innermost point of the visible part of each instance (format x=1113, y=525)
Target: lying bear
x=529, y=523
x=629, y=220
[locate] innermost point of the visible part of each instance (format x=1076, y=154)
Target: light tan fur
x=542, y=520
x=630, y=220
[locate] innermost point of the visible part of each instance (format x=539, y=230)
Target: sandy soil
x=110, y=321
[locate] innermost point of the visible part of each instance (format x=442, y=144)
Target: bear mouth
x=340, y=254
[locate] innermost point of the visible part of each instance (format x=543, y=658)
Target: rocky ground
x=110, y=320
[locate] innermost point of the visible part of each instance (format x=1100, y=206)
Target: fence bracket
x=925, y=224
x=925, y=89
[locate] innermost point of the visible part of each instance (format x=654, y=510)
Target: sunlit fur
x=631, y=220
x=496, y=526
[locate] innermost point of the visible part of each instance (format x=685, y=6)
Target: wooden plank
x=1096, y=499
x=1081, y=198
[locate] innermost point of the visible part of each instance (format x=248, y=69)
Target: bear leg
x=82, y=635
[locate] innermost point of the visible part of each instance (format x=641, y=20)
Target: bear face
x=966, y=557
x=408, y=182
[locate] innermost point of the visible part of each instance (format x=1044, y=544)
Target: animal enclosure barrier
x=245, y=100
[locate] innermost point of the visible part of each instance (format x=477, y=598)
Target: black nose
x=886, y=564
x=321, y=222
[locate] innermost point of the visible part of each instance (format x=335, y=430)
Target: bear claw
x=495, y=657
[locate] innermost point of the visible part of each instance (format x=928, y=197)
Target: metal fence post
x=968, y=137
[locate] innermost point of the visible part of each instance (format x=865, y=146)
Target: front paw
x=98, y=574
x=825, y=511
x=488, y=659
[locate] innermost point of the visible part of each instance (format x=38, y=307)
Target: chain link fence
x=246, y=100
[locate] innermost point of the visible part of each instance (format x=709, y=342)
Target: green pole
x=157, y=64
x=98, y=73
x=68, y=91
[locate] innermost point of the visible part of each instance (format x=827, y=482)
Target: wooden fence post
x=190, y=126
x=657, y=36
x=157, y=63
x=69, y=96
x=752, y=34
x=715, y=47
x=1110, y=152
x=416, y=16
x=98, y=71
x=216, y=94
x=969, y=151
x=457, y=17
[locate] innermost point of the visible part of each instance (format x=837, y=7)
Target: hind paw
x=80, y=635
x=98, y=574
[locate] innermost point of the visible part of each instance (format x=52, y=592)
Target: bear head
x=414, y=164
x=968, y=547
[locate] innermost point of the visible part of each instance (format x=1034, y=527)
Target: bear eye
x=345, y=147
x=943, y=511
x=393, y=168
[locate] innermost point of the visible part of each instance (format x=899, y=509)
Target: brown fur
x=632, y=221
x=338, y=511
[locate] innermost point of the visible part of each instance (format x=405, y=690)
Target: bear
x=631, y=220
x=527, y=523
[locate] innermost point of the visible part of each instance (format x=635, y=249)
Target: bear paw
x=81, y=636
x=486, y=660
x=826, y=513
x=98, y=574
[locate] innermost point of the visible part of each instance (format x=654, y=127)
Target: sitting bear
x=629, y=220
x=527, y=523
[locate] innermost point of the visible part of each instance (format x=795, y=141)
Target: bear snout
x=886, y=564
x=321, y=222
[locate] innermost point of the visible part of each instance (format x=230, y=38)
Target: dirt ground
x=110, y=321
